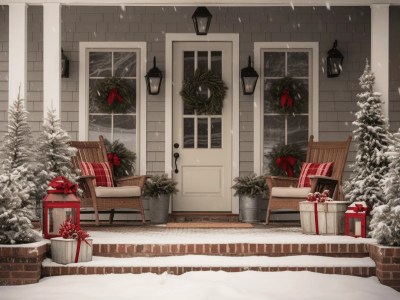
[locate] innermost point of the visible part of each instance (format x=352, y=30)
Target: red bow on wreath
x=112, y=94
x=286, y=99
x=286, y=163
x=113, y=159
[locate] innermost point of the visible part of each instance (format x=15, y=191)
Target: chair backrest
x=319, y=152
x=89, y=151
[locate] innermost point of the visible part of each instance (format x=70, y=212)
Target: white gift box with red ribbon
x=327, y=217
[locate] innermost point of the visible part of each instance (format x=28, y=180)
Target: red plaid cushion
x=307, y=169
x=101, y=171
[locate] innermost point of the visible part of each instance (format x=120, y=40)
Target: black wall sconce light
x=249, y=78
x=64, y=65
x=153, y=79
x=201, y=20
x=334, y=61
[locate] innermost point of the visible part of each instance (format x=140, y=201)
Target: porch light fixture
x=249, y=78
x=64, y=65
x=334, y=61
x=153, y=79
x=201, y=20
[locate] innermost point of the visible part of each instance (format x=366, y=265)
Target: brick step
x=364, y=267
x=235, y=249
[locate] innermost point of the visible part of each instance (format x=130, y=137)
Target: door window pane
x=216, y=133
x=202, y=60
x=188, y=133
x=216, y=62
x=202, y=133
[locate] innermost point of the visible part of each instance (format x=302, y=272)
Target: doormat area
x=209, y=225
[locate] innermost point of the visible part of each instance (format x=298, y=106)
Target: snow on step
x=219, y=236
x=221, y=261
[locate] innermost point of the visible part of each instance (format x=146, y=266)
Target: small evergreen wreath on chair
x=121, y=158
x=286, y=160
x=113, y=95
x=204, y=80
x=288, y=95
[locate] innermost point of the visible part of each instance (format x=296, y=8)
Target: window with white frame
x=122, y=64
x=277, y=127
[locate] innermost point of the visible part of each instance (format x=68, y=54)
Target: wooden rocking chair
x=127, y=193
x=283, y=191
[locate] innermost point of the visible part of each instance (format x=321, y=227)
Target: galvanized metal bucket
x=159, y=207
x=248, y=209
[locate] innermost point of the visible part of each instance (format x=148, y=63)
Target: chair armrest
x=277, y=181
x=132, y=180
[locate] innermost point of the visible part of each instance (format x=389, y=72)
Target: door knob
x=176, y=156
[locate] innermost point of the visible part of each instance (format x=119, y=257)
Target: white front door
x=203, y=142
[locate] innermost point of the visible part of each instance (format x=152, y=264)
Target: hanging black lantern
x=153, y=79
x=202, y=20
x=64, y=65
x=249, y=78
x=334, y=61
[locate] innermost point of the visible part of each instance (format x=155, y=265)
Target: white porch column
x=17, y=53
x=380, y=51
x=52, y=57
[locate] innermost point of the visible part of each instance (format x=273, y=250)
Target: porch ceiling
x=292, y=3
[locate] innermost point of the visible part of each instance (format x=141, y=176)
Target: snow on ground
x=160, y=235
x=219, y=285
x=226, y=261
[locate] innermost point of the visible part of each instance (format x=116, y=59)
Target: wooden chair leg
x=111, y=219
x=268, y=212
x=96, y=215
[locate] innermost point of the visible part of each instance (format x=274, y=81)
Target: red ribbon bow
x=359, y=208
x=113, y=159
x=286, y=163
x=112, y=94
x=286, y=99
x=69, y=230
x=62, y=185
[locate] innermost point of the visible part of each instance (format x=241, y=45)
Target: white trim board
x=84, y=105
x=218, y=3
x=258, y=113
x=217, y=37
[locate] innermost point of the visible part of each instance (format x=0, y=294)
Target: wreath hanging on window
x=192, y=96
x=113, y=95
x=286, y=160
x=288, y=95
x=121, y=158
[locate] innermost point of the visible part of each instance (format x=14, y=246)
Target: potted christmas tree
x=158, y=189
x=250, y=190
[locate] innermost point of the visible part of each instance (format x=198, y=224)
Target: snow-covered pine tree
x=385, y=223
x=53, y=156
x=372, y=138
x=16, y=179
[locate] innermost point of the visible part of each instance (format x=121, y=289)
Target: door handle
x=176, y=156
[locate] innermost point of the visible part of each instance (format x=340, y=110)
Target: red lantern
x=59, y=204
x=356, y=219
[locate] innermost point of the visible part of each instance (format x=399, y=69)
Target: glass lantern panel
x=57, y=216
